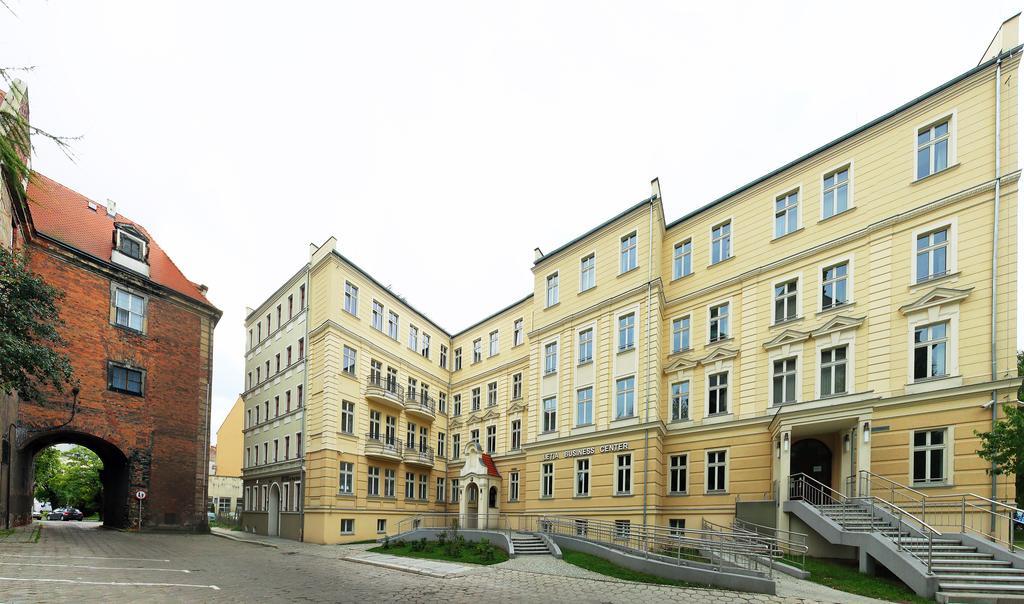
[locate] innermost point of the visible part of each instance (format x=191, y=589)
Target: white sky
x=429, y=136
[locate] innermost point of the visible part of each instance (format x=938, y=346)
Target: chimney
x=1007, y=38
x=655, y=189
x=111, y=207
x=537, y=254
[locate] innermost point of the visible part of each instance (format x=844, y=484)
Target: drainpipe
x=305, y=436
x=995, y=268
x=647, y=387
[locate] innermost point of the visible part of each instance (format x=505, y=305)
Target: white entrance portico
x=480, y=483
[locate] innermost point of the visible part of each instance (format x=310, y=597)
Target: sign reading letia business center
x=587, y=451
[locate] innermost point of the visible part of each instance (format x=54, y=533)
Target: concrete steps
x=529, y=545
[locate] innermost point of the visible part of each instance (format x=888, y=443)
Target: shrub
x=386, y=543
x=442, y=538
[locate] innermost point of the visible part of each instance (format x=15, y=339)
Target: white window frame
x=730, y=321
x=836, y=261
x=785, y=373
x=131, y=294
x=493, y=343
x=351, y=298
x=590, y=405
x=630, y=254
x=547, y=480
x=551, y=286
x=620, y=344
x=952, y=249
x=948, y=446
x=672, y=400
x=580, y=345
x=632, y=396
x=618, y=468
x=585, y=284
x=544, y=429
x=831, y=366
x=845, y=337
x=673, y=468
x=518, y=331
x=929, y=345
x=549, y=368
x=681, y=258
x=799, y=279
x=377, y=317
x=689, y=333
x=350, y=474
x=730, y=386
x=784, y=194
x=711, y=240
x=951, y=147
x=351, y=526
x=513, y=487
x=725, y=474
x=848, y=166
x=394, y=329
x=787, y=351
x=581, y=482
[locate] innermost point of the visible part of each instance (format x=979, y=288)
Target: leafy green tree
x=49, y=468
x=80, y=484
x=29, y=332
x=1003, y=446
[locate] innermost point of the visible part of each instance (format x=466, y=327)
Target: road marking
x=119, y=583
x=51, y=557
x=159, y=570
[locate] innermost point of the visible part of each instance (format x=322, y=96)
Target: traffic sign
x=140, y=494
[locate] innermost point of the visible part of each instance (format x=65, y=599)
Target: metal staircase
x=949, y=566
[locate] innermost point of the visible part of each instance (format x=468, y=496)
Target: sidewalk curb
x=399, y=567
x=251, y=541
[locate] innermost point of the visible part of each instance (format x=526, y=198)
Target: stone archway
x=115, y=477
x=274, y=511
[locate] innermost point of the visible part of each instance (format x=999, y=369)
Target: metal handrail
x=791, y=544
x=386, y=442
x=388, y=385
x=424, y=401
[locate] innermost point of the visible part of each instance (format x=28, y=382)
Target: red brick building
x=140, y=338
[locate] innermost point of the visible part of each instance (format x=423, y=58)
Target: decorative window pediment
x=490, y=414
x=517, y=407
x=719, y=354
x=789, y=336
x=937, y=297
x=680, y=364
x=839, y=323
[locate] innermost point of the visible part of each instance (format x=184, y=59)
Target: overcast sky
x=441, y=141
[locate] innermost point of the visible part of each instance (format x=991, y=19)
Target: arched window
x=492, y=497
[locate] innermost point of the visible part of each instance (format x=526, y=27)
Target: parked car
x=65, y=514
x=56, y=514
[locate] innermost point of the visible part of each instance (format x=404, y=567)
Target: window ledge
x=589, y=289
x=837, y=214
x=933, y=280
x=346, y=495
x=834, y=308
x=719, y=341
x=933, y=384
x=131, y=330
x=680, y=351
x=722, y=261
x=626, y=272
x=585, y=363
x=932, y=485
x=626, y=349
x=787, y=322
x=942, y=171
x=630, y=494
x=784, y=235
x=681, y=277
x=581, y=496
x=681, y=494
x=716, y=493
x=551, y=306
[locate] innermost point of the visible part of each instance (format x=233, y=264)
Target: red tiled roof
x=492, y=470
x=63, y=214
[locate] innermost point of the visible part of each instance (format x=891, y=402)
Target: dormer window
x=131, y=248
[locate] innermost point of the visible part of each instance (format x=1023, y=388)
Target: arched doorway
x=492, y=497
x=115, y=477
x=472, y=496
x=274, y=511
x=812, y=457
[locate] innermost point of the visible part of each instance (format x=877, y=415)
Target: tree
x=1003, y=446
x=80, y=485
x=29, y=332
x=48, y=470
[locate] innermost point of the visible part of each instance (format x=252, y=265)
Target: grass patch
x=604, y=567
x=36, y=533
x=847, y=578
x=5, y=533
x=470, y=553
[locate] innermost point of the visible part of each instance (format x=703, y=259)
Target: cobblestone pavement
x=79, y=562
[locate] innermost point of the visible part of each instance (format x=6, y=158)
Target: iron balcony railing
x=386, y=387
x=422, y=453
x=419, y=401
x=375, y=442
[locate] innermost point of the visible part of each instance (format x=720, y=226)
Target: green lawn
x=847, y=578
x=469, y=554
x=604, y=567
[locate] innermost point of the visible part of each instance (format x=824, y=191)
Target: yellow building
x=849, y=316
x=229, y=442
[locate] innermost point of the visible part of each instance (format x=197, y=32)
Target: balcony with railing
x=419, y=456
x=380, y=389
x=383, y=447
x=420, y=405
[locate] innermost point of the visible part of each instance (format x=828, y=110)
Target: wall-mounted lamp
x=867, y=432
x=785, y=442
x=778, y=448
x=846, y=443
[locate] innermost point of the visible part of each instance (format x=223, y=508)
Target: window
x=721, y=242
x=784, y=381
x=552, y=289
x=348, y=363
x=414, y=337
x=441, y=442
x=930, y=456
x=682, y=259
x=382, y=526
x=423, y=487
x=129, y=309
x=348, y=417
x=513, y=486
x=348, y=526
x=298, y=444
x=550, y=414
x=492, y=439
x=442, y=402
x=676, y=526
x=833, y=371
x=834, y=285
x=622, y=529
x=583, y=477
x=547, y=480
x=276, y=450
x=351, y=298
x=456, y=445
x=493, y=340
x=279, y=321
x=375, y=373
x=551, y=357
x=302, y=297
x=455, y=490
x=785, y=298
x=373, y=481
x=930, y=350
x=298, y=396
x=626, y=331
x=680, y=334
x=835, y=197
x=585, y=406
x=718, y=323
x=291, y=307
x=517, y=332
x=458, y=359
x=410, y=435
x=475, y=398
x=440, y=489
x=456, y=404
x=128, y=380
x=374, y=425
x=393, y=325
x=716, y=471
x=588, y=273
x=624, y=474
x=680, y=401
x=425, y=350
x=786, y=212
x=443, y=360
x=627, y=256
x=346, y=473
x=377, y=319
x=130, y=246
x=677, y=474
x=410, y=485
x=624, y=397
x=478, y=354
x=586, y=346
x=933, y=148
x=492, y=394
x=517, y=386
x=516, y=432
x=718, y=393
x=932, y=251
